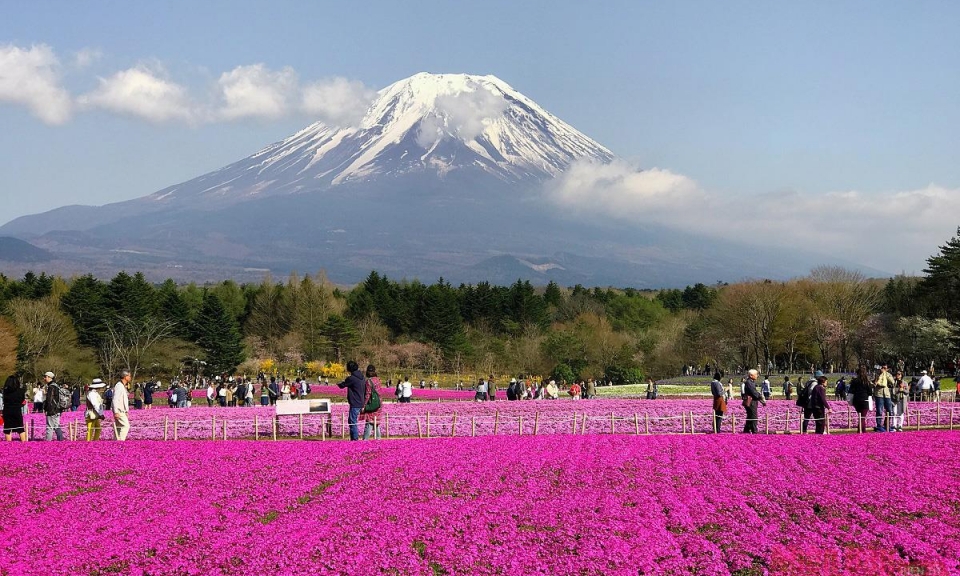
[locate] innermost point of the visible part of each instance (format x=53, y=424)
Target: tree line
x=83, y=326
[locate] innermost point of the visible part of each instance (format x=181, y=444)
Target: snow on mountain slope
x=431, y=124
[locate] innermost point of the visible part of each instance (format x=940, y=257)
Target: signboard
x=315, y=406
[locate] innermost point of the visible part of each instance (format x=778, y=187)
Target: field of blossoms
x=878, y=504
x=502, y=418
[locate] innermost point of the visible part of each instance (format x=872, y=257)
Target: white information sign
x=315, y=406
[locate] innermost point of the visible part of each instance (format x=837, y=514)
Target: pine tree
x=218, y=335
x=86, y=304
x=172, y=306
x=341, y=335
x=941, y=286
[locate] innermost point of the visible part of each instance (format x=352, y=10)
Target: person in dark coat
x=862, y=390
x=818, y=404
x=750, y=399
x=75, y=398
x=356, y=386
x=14, y=398
x=719, y=401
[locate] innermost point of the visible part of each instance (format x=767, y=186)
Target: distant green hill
x=16, y=250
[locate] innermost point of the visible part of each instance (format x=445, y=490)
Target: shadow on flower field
x=561, y=504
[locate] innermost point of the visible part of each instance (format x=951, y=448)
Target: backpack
x=803, y=396
x=373, y=404
x=63, y=399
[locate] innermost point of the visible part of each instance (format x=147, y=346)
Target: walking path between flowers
x=456, y=419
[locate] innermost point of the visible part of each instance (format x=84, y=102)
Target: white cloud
x=463, y=115
x=144, y=93
x=891, y=231
x=31, y=78
x=337, y=101
x=620, y=190
x=255, y=91
x=87, y=56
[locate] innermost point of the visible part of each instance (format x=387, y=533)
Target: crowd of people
x=883, y=393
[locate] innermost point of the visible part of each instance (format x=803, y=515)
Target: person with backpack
x=372, y=405
x=355, y=383
x=818, y=404
x=56, y=402
x=787, y=388
x=750, y=399
x=803, y=401
x=882, y=400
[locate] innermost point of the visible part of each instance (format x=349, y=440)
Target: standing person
x=241, y=393
x=371, y=420
x=406, y=391
x=355, y=383
x=787, y=388
x=138, y=396
x=222, y=395
x=925, y=386
x=898, y=397
x=285, y=390
x=481, y=395
x=75, y=398
x=52, y=407
x=183, y=395
x=729, y=393
x=552, y=391
x=211, y=394
x=861, y=390
x=121, y=406
x=39, y=395
x=14, y=400
x=95, y=410
x=803, y=400
x=591, y=388
x=750, y=399
x=650, y=387
x=248, y=397
x=819, y=405
x=491, y=389
x=148, y=391
x=765, y=387
x=719, y=401
x=881, y=397
x=274, y=390
x=264, y=394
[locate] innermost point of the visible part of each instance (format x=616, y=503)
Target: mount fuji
x=443, y=176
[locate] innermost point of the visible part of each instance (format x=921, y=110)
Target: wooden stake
x=224, y=428
x=213, y=427
x=733, y=423
x=768, y=423
x=276, y=424
x=343, y=426
x=453, y=426
x=951, y=417
x=583, y=428
x=256, y=426
x=683, y=422
x=166, y=422
x=938, y=414
x=301, y=426
x=574, y=430
x=419, y=429
x=473, y=426
x=612, y=424
x=636, y=423
x=496, y=423
x=521, y=426
x=646, y=422
x=176, y=424
x=386, y=424
x=428, y=423
x=918, y=420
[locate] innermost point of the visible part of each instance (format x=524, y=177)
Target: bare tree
x=43, y=329
x=128, y=340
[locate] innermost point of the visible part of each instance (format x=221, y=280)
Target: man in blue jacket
x=356, y=385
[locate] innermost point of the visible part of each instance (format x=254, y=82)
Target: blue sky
x=805, y=102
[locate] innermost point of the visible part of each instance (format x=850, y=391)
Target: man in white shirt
x=406, y=391
x=925, y=385
x=121, y=406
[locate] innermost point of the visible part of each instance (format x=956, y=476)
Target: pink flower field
x=877, y=504
x=464, y=419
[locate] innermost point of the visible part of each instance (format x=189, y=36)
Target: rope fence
x=455, y=424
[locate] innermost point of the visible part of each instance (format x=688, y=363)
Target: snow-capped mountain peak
x=428, y=124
